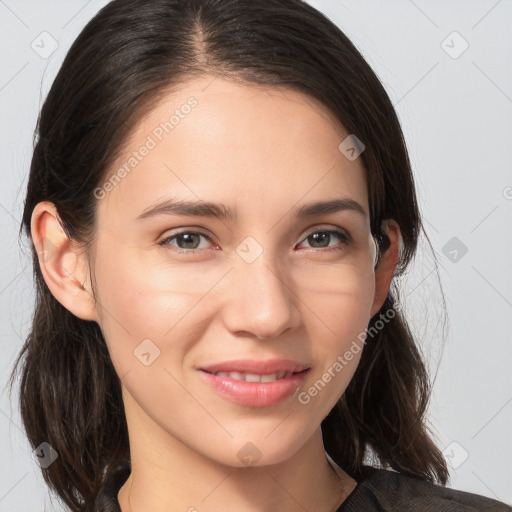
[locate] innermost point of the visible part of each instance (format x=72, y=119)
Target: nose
x=260, y=301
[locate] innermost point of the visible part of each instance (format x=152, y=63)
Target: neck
x=186, y=481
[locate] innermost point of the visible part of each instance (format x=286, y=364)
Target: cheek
x=152, y=311
x=341, y=299
x=343, y=311
x=145, y=296
x=336, y=312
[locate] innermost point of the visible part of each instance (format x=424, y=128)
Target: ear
x=63, y=265
x=386, y=265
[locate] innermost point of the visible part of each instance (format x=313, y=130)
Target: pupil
x=187, y=238
x=316, y=236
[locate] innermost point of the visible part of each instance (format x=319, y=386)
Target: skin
x=262, y=151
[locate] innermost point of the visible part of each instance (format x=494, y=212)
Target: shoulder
x=385, y=490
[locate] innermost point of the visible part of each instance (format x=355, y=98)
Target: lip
x=255, y=394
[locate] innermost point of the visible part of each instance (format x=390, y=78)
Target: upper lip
x=256, y=367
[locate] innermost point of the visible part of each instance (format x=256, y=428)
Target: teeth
x=252, y=377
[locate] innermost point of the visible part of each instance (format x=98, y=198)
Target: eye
x=317, y=238
x=188, y=242
x=188, y=239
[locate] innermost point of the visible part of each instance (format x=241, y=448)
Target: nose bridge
x=260, y=299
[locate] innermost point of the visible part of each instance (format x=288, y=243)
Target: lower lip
x=255, y=394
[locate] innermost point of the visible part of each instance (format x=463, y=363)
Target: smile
x=254, y=389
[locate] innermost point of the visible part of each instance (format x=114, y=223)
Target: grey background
x=455, y=108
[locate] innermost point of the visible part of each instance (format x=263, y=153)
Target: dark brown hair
x=126, y=57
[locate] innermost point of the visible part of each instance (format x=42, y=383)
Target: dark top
x=380, y=490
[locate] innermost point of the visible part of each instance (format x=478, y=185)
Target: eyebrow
x=220, y=211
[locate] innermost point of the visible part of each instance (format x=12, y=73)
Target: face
x=191, y=304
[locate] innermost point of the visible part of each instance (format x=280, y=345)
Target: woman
x=195, y=345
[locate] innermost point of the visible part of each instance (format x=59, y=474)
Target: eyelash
x=344, y=238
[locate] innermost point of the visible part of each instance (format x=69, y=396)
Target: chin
x=256, y=450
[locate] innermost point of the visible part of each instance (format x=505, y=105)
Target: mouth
x=253, y=377
x=279, y=367
x=255, y=383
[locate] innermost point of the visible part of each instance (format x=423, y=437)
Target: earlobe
x=386, y=264
x=63, y=266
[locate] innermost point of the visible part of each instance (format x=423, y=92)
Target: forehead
x=249, y=146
